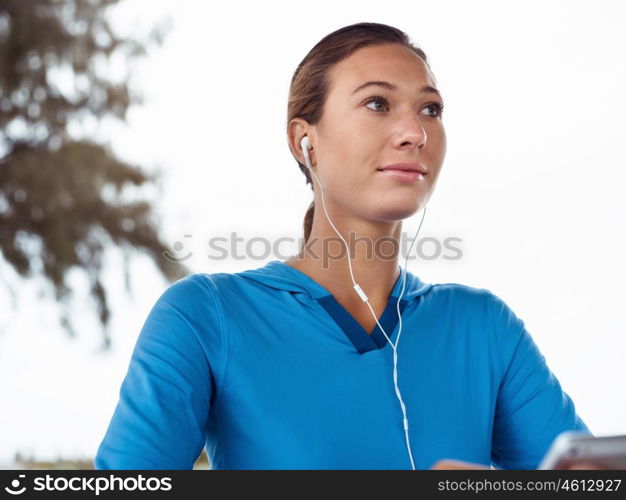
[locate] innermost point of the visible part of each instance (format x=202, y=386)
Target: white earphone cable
x=361, y=293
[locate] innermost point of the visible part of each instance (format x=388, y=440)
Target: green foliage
x=30, y=463
x=64, y=199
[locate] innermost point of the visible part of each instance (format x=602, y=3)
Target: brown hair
x=309, y=84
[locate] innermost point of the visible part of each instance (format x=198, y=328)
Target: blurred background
x=131, y=128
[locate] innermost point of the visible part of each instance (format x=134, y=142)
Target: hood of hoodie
x=279, y=275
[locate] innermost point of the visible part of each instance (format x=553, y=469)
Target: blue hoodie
x=267, y=370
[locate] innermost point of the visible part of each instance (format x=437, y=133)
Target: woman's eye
x=376, y=99
x=436, y=107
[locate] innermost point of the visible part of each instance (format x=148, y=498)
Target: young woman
x=298, y=364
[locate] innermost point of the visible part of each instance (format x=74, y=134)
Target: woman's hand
x=585, y=466
x=448, y=464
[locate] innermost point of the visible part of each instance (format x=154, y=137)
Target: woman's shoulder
x=483, y=313
x=462, y=292
x=195, y=298
x=479, y=302
x=196, y=286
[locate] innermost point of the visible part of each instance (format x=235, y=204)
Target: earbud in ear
x=305, y=145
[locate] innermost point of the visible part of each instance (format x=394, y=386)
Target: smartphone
x=571, y=447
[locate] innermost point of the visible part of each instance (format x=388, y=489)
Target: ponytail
x=308, y=220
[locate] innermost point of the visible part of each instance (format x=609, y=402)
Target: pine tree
x=64, y=200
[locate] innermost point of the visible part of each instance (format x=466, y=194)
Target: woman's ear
x=297, y=129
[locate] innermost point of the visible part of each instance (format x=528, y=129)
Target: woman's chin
x=397, y=212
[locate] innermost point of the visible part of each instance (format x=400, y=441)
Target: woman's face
x=359, y=133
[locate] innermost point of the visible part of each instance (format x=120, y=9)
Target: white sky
x=533, y=183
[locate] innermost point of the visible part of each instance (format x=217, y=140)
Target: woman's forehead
x=392, y=63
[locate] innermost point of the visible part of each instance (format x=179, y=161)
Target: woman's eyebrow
x=391, y=86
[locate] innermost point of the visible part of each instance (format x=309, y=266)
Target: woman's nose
x=412, y=132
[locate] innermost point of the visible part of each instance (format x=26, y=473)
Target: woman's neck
x=373, y=257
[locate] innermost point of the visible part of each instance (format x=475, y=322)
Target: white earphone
x=305, y=145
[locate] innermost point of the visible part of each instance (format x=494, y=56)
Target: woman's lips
x=402, y=175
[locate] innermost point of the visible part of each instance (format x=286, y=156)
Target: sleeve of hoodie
x=165, y=398
x=532, y=408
